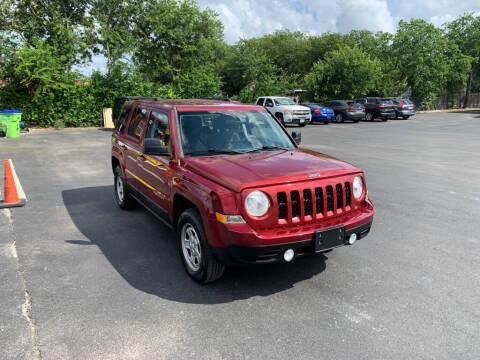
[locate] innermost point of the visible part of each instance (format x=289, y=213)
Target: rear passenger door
x=153, y=169
x=131, y=145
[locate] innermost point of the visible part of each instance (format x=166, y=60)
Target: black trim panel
x=155, y=209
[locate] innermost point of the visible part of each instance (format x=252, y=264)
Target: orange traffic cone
x=14, y=195
x=11, y=194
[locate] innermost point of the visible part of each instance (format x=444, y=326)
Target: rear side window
x=122, y=118
x=269, y=102
x=137, y=123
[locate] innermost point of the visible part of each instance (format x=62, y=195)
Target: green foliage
x=343, y=74
x=427, y=58
x=173, y=37
x=173, y=48
x=202, y=81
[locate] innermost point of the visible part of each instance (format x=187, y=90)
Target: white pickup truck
x=286, y=110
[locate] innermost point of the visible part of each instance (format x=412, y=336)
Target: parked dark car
x=404, y=108
x=320, y=113
x=346, y=110
x=376, y=107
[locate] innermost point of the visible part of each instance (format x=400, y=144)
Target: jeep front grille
x=327, y=201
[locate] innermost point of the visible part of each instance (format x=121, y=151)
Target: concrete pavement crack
x=27, y=305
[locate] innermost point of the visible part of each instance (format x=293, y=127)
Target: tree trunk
x=109, y=58
x=469, y=87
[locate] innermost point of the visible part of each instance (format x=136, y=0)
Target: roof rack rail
x=142, y=98
x=216, y=98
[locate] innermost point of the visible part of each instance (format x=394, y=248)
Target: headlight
x=357, y=187
x=257, y=203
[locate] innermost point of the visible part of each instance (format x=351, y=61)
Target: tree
x=427, y=58
x=62, y=24
x=201, y=81
x=465, y=33
x=174, y=36
x=113, y=29
x=343, y=74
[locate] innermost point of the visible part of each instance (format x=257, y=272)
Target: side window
x=157, y=128
x=260, y=101
x=122, y=118
x=137, y=123
x=269, y=103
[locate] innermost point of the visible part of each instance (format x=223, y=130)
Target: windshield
x=284, y=101
x=386, y=101
x=206, y=133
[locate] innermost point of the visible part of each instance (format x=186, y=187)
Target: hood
x=238, y=172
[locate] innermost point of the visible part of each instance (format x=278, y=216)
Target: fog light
x=352, y=239
x=288, y=255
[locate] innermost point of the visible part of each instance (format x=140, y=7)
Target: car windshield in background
x=407, y=102
x=206, y=133
x=284, y=101
x=353, y=103
x=386, y=101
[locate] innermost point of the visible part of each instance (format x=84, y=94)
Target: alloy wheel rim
x=191, y=249
x=120, y=192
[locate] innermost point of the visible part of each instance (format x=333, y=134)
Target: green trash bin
x=12, y=118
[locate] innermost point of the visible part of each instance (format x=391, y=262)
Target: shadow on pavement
x=144, y=252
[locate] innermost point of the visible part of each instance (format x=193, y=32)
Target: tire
x=339, y=118
x=200, y=264
x=325, y=123
x=355, y=121
x=302, y=125
x=405, y=117
x=384, y=119
x=122, y=196
x=396, y=115
x=280, y=118
x=369, y=116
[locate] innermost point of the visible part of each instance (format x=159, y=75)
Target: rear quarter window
x=137, y=123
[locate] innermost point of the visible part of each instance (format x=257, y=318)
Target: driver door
x=154, y=169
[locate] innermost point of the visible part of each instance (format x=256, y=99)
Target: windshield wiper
x=214, y=151
x=268, y=147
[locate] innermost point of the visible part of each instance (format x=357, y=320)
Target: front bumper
x=323, y=118
x=244, y=245
x=296, y=119
x=241, y=254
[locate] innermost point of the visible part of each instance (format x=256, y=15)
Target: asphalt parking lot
x=81, y=279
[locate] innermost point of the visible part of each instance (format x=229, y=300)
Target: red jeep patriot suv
x=234, y=184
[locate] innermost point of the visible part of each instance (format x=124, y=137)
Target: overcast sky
x=249, y=18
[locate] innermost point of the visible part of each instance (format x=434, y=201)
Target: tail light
x=349, y=108
x=401, y=104
x=317, y=111
x=380, y=106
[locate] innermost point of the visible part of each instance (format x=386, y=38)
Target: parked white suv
x=286, y=110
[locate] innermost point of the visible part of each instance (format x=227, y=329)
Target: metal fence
x=455, y=101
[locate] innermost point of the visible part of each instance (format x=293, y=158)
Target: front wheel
x=405, y=117
x=197, y=257
x=339, y=118
x=122, y=194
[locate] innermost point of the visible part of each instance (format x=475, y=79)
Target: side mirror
x=297, y=137
x=155, y=147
